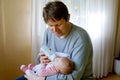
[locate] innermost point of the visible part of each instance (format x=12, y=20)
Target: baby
x=58, y=64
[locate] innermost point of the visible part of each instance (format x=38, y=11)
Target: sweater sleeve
x=80, y=56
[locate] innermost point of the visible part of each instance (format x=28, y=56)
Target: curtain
x=97, y=17
x=117, y=46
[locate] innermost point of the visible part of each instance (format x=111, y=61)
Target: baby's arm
x=36, y=67
x=47, y=70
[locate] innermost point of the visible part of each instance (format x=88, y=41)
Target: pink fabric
x=47, y=70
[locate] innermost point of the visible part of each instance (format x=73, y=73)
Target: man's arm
x=80, y=56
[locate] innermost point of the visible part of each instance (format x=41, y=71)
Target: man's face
x=59, y=27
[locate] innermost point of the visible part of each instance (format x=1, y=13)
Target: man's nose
x=55, y=29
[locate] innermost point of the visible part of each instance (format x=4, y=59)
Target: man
x=63, y=36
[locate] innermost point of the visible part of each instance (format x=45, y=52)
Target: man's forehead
x=50, y=21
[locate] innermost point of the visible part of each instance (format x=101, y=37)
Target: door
x=15, y=37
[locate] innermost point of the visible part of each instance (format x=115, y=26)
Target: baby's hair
x=66, y=66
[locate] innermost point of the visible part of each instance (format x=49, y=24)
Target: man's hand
x=33, y=76
x=43, y=58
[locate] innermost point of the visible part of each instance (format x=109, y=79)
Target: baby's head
x=64, y=65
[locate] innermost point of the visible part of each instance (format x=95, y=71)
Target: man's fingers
x=26, y=76
x=31, y=76
x=41, y=54
x=32, y=73
x=44, y=57
x=45, y=61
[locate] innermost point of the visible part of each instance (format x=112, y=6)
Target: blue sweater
x=79, y=48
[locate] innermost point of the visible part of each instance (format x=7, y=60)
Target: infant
x=60, y=63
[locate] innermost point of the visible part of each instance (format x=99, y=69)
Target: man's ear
x=68, y=17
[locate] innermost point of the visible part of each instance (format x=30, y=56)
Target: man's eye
x=58, y=25
x=51, y=26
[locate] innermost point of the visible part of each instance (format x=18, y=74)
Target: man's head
x=55, y=11
x=64, y=65
x=56, y=15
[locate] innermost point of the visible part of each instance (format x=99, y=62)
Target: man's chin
x=59, y=35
